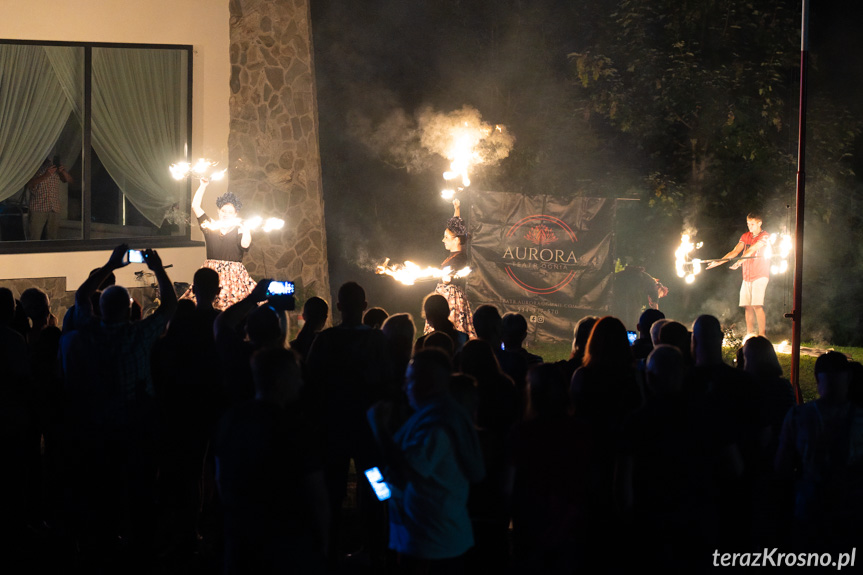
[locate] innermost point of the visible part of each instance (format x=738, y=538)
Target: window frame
x=86, y=243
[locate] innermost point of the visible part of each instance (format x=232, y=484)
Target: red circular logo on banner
x=545, y=233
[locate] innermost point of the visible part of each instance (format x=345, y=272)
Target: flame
x=199, y=170
x=180, y=170
x=783, y=347
x=784, y=245
x=466, y=141
x=273, y=224
x=222, y=225
x=252, y=223
x=201, y=166
x=687, y=268
x=409, y=273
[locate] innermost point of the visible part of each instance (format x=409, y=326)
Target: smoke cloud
x=418, y=142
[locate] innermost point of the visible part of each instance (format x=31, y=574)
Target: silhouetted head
x=435, y=309
x=374, y=317
x=400, y=327
x=352, y=302
x=115, y=304
x=675, y=333
x=647, y=319
x=608, y=345
x=656, y=329
x=706, y=340
x=487, y=323
x=35, y=304
x=427, y=377
x=513, y=330
x=441, y=341
x=205, y=285
x=262, y=326
x=759, y=357
x=315, y=312
x=832, y=374
x=665, y=369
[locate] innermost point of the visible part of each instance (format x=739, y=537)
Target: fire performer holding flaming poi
x=452, y=287
x=227, y=240
x=754, y=256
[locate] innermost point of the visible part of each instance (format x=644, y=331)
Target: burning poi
x=779, y=249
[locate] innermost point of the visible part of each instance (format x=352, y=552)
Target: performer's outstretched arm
x=199, y=195
x=753, y=249
x=724, y=259
x=245, y=236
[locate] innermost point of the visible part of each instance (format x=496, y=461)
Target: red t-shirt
x=760, y=266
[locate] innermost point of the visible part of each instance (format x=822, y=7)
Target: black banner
x=544, y=257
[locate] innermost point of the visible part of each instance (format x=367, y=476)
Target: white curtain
x=138, y=117
x=33, y=111
x=68, y=64
x=139, y=122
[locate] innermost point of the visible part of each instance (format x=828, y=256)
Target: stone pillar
x=275, y=163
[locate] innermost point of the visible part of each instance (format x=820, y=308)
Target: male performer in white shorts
x=756, y=272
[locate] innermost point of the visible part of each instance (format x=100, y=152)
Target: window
x=87, y=134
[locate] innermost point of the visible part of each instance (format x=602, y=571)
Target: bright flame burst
x=466, y=141
x=409, y=273
x=784, y=246
x=202, y=169
x=686, y=267
x=253, y=223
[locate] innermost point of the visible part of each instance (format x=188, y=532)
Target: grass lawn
x=557, y=351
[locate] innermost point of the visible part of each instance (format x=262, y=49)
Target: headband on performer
x=229, y=198
x=456, y=226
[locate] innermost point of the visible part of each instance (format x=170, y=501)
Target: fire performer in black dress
x=227, y=239
x=455, y=238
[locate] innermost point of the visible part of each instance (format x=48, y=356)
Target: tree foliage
x=702, y=88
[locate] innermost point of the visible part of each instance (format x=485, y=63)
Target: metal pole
x=796, y=313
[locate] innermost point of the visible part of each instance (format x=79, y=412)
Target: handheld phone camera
x=376, y=479
x=135, y=256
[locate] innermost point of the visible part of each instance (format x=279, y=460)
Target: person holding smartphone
x=44, y=203
x=228, y=239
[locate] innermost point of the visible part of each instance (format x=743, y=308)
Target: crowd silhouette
x=200, y=441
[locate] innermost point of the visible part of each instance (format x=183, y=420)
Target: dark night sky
x=375, y=57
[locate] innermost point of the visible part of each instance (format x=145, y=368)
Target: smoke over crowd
x=389, y=98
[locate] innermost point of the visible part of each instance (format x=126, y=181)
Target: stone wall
x=275, y=165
